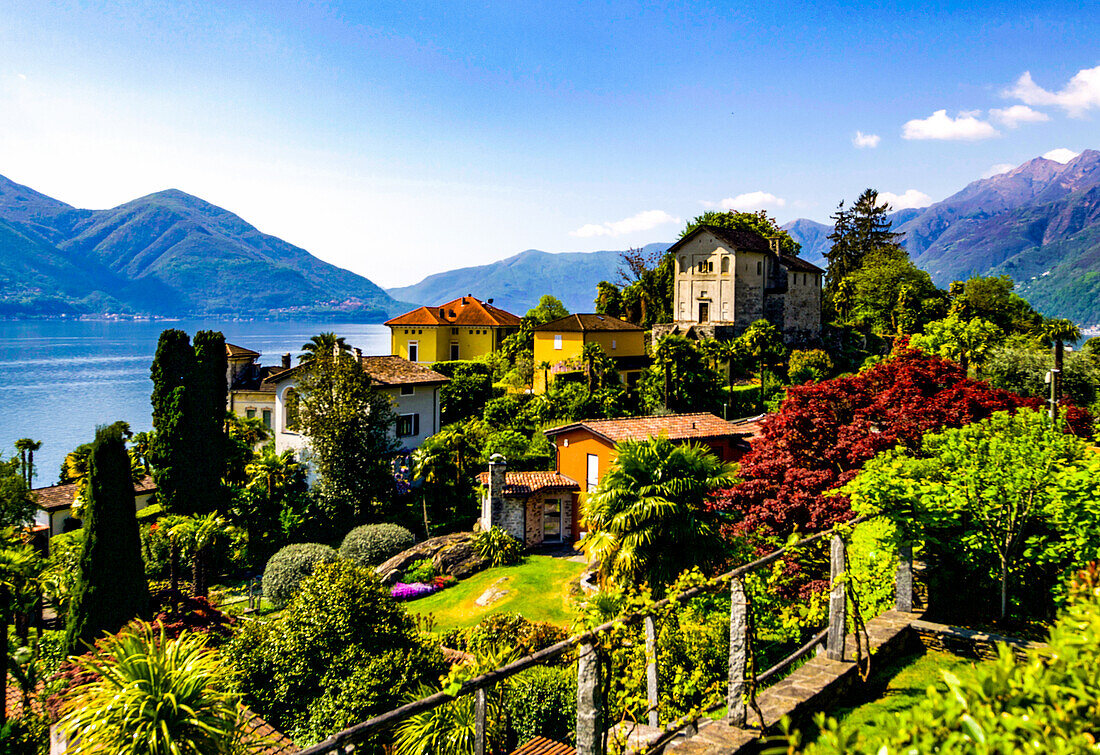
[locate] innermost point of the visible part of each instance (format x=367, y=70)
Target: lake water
x=59, y=380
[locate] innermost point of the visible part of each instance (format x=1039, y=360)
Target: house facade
x=536, y=508
x=413, y=390
x=560, y=344
x=58, y=500
x=725, y=280
x=465, y=328
x=251, y=392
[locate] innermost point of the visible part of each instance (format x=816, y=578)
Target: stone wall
x=970, y=643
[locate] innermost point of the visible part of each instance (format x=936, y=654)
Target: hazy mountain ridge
x=167, y=253
x=516, y=283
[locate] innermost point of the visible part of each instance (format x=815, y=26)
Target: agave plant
x=152, y=696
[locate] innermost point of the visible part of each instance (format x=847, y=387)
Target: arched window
x=725, y=264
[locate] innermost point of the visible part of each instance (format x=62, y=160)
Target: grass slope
x=538, y=589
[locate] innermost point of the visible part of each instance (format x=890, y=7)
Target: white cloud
x=1061, y=155
x=911, y=198
x=23, y=76
x=998, y=169
x=753, y=200
x=939, y=125
x=1081, y=94
x=1017, y=114
x=866, y=140
x=643, y=221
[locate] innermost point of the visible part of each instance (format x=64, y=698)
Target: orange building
x=585, y=451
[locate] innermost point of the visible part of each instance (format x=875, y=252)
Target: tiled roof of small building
x=465, y=310
x=544, y=746
x=526, y=483
x=57, y=497
x=233, y=351
x=587, y=324
x=750, y=241
x=394, y=370
x=263, y=738
x=675, y=426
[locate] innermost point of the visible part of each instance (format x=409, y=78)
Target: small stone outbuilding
x=537, y=508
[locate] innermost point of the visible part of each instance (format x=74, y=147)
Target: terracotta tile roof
x=675, y=426
x=233, y=351
x=58, y=497
x=465, y=310
x=587, y=324
x=264, y=738
x=395, y=370
x=13, y=699
x=544, y=746
x=526, y=483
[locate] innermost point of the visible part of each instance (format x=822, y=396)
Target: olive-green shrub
x=498, y=546
x=372, y=544
x=542, y=702
x=290, y=565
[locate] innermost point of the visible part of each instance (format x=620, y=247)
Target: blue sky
x=401, y=139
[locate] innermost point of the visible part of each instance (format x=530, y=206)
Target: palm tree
x=153, y=695
x=271, y=470
x=249, y=430
x=545, y=367
x=1059, y=330
x=596, y=365
x=26, y=448
x=763, y=342
x=647, y=519
x=195, y=535
x=323, y=345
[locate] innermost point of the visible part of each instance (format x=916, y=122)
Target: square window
x=557, y=342
x=250, y=412
x=407, y=390
x=408, y=425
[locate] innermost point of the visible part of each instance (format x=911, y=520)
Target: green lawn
x=895, y=687
x=538, y=589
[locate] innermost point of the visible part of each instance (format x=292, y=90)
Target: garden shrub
x=155, y=550
x=1049, y=704
x=810, y=364
x=508, y=630
x=371, y=544
x=542, y=702
x=422, y=570
x=744, y=401
x=290, y=565
x=498, y=546
x=341, y=652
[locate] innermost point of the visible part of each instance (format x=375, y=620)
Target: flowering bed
x=414, y=590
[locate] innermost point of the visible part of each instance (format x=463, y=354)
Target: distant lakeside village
x=745, y=499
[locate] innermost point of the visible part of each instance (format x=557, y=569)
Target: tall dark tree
x=26, y=448
x=206, y=420
x=857, y=231
x=111, y=589
x=188, y=451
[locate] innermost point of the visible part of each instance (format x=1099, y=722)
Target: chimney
x=358, y=355
x=286, y=361
x=492, y=512
x=488, y=301
x=773, y=244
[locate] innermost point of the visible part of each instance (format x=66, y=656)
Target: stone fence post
x=651, y=671
x=735, y=695
x=590, y=702
x=903, y=580
x=838, y=601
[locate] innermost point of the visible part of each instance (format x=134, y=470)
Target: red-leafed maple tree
x=825, y=432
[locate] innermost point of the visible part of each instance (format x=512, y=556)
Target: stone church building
x=725, y=280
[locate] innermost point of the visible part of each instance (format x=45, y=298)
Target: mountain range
x=171, y=253
x=167, y=253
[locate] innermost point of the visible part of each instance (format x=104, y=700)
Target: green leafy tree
x=342, y=651
x=966, y=342
x=992, y=298
x=19, y=566
x=151, y=695
x=890, y=294
x=998, y=478
x=447, y=464
x=609, y=299
x=809, y=365
x=112, y=589
x=17, y=503
x=646, y=286
x=763, y=342
x=348, y=426
x=648, y=518
x=206, y=419
x=858, y=231
x=195, y=536
x=757, y=222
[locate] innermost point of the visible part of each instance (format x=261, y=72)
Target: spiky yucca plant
x=152, y=696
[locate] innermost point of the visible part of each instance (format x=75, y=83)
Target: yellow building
x=465, y=328
x=560, y=343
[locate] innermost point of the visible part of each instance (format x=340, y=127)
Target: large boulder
x=460, y=560
x=426, y=549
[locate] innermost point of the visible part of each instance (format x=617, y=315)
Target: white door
x=593, y=471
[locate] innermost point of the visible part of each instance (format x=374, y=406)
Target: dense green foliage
x=498, y=546
x=341, y=652
x=17, y=505
x=470, y=388
x=858, y=231
x=111, y=589
x=1009, y=502
x=348, y=425
x=1049, y=703
x=680, y=379
x=648, y=519
x=370, y=544
x=285, y=571
x=542, y=702
x=151, y=695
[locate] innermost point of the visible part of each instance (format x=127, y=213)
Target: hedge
x=290, y=565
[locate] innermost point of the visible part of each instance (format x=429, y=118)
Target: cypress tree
x=206, y=423
x=111, y=589
x=171, y=450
